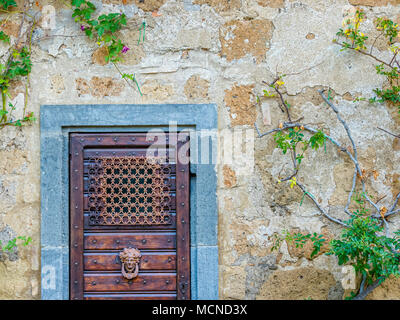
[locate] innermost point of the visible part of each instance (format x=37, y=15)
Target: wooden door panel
x=92, y=153
x=129, y=296
x=121, y=240
x=110, y=261
x=120, y=199
x=115, y=282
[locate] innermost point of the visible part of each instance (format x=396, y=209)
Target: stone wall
x=219, y=51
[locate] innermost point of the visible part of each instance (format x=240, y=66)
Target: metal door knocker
x=130, y=259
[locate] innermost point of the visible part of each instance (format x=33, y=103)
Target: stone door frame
x=58, y=121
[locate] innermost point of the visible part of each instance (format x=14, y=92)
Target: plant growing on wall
x=103, y=30
x=365, y=243
x=351, y=38
x=16, y=66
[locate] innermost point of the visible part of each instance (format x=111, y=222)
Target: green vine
x=17, y=66
x=373, y=255
x=355, y=40
x=365, y=242
x=103, y=30
x=13, y=243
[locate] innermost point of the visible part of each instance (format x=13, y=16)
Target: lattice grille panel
x=128, y=191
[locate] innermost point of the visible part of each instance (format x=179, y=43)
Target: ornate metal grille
x=128, y=191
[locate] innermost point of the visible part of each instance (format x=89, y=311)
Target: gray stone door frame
x=58, y=121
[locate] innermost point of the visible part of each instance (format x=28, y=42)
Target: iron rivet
x=183, y=221
x=183, y=258
x=144, y=241
x=97, y=152
x=117, y=241
x=114, y=152
x=76, y=227
x=76, y=188
x=183, y=186
x=76, y=263
x=133, y=139
x=94, y=261
x=182, y=170
x=169, y=240
x=94, y=283
x=82, y=140
x=76, y=207
x=94, y=241
x=182, y=276
x=76, y=282
x=75, y=245
x=144, y=281
x=183, y=239
x=183, y=291
x=145, y=260
x=117, y=281
x=130, y=281
x=167, y=281
x=75, y=298
x=98, y=139
x=76, y=153
x=182, y=204
x=169, y=259
x=115, y=139
x=76, y=170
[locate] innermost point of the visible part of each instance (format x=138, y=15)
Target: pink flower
x=125, y=49
x=83, y=28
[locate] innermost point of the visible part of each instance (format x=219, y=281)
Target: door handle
x=130, y=259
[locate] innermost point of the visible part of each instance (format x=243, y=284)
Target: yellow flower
x=280, y=83
x=292, y=182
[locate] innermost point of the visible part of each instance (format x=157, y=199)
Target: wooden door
x=129, y=216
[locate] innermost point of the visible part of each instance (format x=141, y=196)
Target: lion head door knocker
x=130, y=259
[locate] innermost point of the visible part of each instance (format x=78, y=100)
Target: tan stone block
x=239, y=38
x=196, y=88
x=229, y=177
x=155, y=91
x=99, y=55
x=234, y=282
x=99, y=86
x=297, y=284
x=271, y=3
x=220, y=5
x=149, y=5
x=373, y=3
x=388, y=290
x=240, y=100
x=57, y=83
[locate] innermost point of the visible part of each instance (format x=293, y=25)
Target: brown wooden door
x=129, y=217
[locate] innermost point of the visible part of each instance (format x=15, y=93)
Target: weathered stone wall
x=218, y=51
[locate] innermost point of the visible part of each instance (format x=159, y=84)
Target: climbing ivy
x=103, y=30
x=350, y=37
x=17, y=66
